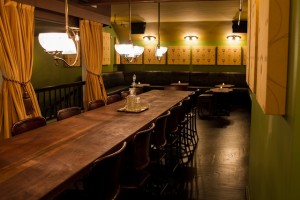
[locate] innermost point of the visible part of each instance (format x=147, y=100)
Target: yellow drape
x=92, y=51
x=16, y=50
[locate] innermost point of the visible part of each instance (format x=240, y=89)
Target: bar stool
x=136, y=160
x=185, y=143
x=172, y=150
x=205, y=103
x=158, y=180
x=191, y=115
x=102, y=181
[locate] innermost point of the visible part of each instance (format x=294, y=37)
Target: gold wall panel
x=138, y=60
x=179, y=55
x=229, y=55
x=272, y=55
x=204, y=55
x=106, y=49
x=252, y=44
x=149, y=56
x=244, y=48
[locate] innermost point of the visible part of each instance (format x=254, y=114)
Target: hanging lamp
x=128, y=51
x=61, y=43
x=160, y=50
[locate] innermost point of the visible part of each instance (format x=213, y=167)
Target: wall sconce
x=191, y=38
x=149, y=38
x=233, y=37
x=61, y=43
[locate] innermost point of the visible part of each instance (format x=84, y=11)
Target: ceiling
x=209, y=20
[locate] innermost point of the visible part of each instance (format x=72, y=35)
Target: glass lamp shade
x=128, y=50
x=160, y=51
x=59, y=42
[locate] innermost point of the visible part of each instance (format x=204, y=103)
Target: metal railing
x=53, y=98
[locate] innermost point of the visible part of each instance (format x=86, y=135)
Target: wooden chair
x=95, y=104
x=136, y=160
x=27, y=125
x=67, y=112
x=102, y=181
x=113, y=98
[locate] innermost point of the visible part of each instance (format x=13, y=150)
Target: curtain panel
x=17, y=96
x=92, y=51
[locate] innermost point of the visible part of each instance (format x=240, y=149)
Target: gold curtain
x=92, y=51
x=17, y=96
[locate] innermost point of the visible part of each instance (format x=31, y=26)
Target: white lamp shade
x=160, y=51
x=123, y=49
x=52, y=42
x=128, y=50
x=138, y=50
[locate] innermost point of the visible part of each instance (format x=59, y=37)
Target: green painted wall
x=274, y=165
x=46, y=72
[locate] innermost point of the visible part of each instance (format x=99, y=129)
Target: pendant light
x=61, y=43
x=160, y=51
x=128, y=51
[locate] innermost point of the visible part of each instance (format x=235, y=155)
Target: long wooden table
x=41, y=163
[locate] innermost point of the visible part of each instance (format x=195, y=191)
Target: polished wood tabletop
x=40, y=163
x=221, y=90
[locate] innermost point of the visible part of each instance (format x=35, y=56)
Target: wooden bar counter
x=41, y=163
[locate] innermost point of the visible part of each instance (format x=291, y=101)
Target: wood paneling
x=179, y=55
x=203, y=55
x=272, y=55
x=229, y=55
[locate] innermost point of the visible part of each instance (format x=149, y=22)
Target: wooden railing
x=53, y=98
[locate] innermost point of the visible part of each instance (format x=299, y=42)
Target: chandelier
x=128, y=50
x=160, y=51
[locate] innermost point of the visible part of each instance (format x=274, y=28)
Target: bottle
x=131, y=100
x=133, y=80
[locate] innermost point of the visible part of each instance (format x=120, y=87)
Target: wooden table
x=221, y=100
x=141, y=85
x=223, y=85
x=221, y=90
x=180, y=83
x=41, y=163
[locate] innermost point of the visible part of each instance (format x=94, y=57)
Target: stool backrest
x=159, y=134
x=27, y=125
x=113, y=98
x=173, y=119
x=103, y=179
x=67, y=112
x=95, y=104
x=141, y=148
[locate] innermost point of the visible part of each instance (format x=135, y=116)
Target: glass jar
x=131, y=100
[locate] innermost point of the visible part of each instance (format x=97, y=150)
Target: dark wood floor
x=220, y=165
